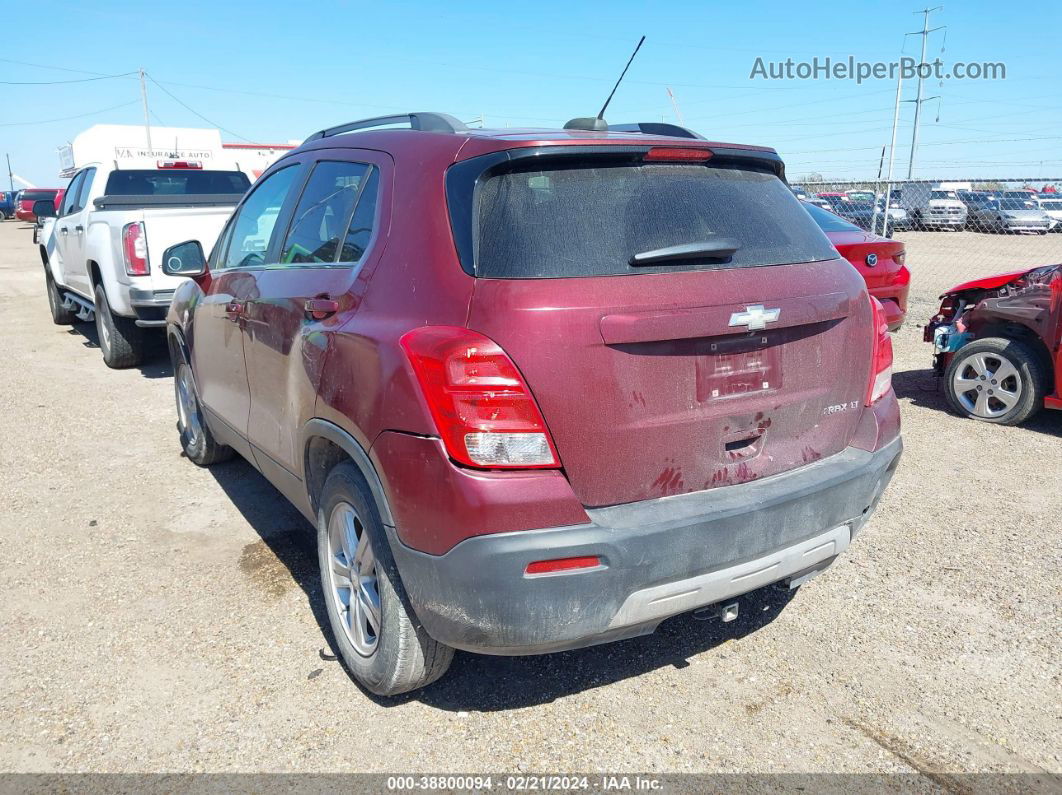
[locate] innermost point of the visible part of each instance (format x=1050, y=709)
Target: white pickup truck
x=102, y=251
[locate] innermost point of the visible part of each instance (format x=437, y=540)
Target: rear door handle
x=234, y=310
x=79, y=229
x=320, y=308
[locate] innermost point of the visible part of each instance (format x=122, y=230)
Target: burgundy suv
x=537, y=389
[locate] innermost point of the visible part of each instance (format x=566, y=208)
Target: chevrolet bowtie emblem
x=755, y=317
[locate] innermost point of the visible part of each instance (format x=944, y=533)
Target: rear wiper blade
x=723, y=248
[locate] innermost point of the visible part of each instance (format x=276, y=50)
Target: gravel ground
x=160, y=617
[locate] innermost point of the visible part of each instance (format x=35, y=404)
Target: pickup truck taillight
x=880, y=356
x=486, y=415
x=134, y=244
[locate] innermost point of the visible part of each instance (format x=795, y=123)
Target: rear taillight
x=134, y=245
x=900, y=257
x=881, y=355
x=484, y=411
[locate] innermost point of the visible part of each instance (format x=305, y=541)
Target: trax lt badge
x=755, y=317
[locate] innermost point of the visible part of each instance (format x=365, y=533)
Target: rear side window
x=323, y=214
x=175, y=182
x=38, y=195
x=361, y=223
x=586, y=220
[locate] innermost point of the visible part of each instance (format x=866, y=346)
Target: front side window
x=70, y=197
x=254, y=222
x=83, y=191
x=324, y=209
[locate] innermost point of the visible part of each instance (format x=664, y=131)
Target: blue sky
x=272, y=72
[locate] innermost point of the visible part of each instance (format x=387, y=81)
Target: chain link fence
x=953, y=230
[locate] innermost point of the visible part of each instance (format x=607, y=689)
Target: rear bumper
x=660, y=558
x=150, y=306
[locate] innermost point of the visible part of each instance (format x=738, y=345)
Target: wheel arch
x=1023, y=334
x=324, y=445
x=176, y=344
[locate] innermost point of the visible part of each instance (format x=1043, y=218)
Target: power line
x=68, y=118
x=55, y=68
x=62, y=82
x=195, y=112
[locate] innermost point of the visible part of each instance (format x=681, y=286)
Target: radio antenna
x=601, y=113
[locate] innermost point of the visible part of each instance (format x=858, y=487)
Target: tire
x=197, y=440
x=61, y=316
x=996, y=380
x=397, y=655
x=121, y=340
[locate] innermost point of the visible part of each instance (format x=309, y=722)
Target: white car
x=1052, y=206
x=102, y=248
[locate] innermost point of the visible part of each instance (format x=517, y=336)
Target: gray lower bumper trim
x=662, y=601
x=660, y=557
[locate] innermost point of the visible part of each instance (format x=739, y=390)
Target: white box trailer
x=127, y=146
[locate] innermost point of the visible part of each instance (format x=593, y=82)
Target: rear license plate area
x=737, y=366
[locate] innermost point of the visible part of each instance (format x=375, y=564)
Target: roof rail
x=656, y=128
x=429, y=122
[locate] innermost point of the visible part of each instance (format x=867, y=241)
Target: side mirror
x=44, y=209
x=184, y=259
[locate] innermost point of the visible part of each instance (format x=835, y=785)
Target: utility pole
x=924, y=33
x=892, y=153
x=10, y=178
x=147, y=119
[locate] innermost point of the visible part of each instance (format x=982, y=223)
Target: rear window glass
x=37, y=195
x=590, y=221
x=175, y=182
x=828, y=222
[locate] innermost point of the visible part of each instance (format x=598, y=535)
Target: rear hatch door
x=684, y=374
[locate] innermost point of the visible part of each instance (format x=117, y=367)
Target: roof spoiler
x=428, y=122
x=656, y=128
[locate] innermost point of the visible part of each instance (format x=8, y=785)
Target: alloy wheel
x=987, y=385
x=187, y=406
x=352, y=579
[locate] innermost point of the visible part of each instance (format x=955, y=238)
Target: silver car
x=1008, y=215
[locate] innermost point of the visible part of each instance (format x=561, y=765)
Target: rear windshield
x=828, y=222
x=37, y=195
x=177, y=182
x=585, y=220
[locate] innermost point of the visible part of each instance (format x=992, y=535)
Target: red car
x=27, y=198
x=536, y=389
x=880, y=261
x=998, y=345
